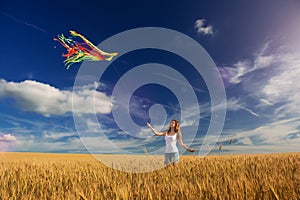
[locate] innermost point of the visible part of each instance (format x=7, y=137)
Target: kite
x=78, y=52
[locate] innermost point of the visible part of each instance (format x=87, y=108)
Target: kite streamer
x=78, y=52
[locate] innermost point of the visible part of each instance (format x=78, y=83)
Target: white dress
x=171, y=141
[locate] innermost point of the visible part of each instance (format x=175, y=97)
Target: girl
x=172, y=135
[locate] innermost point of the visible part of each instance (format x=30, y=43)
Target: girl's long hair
x=177, y=126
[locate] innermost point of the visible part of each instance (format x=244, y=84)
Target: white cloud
x=244, y=141
x=202, y=28
x=8, y=138
x=8, y=142
x=264, y=102
x=276, y=133
x=284, y=87
x=261, y=60
x=33, y=144
x=279, y=136
x=96, y=144
x=275, y=93
x=42, y=98
x=232, y=104
x=57, y=135
x=278, y=86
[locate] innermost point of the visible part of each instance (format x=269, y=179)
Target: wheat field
x=68, y=176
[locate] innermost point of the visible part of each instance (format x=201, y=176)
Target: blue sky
x=254, y=44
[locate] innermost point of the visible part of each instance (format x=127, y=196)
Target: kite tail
x=111, y=56
x=74, y=33
x=78, y=52
x=62, y=41
x=92, y=46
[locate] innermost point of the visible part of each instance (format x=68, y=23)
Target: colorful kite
x=78, y=52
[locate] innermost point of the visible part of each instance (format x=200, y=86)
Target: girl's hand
x=191, y=150
x=149, y=125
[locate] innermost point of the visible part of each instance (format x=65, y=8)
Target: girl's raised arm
x=155, y=132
